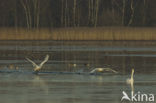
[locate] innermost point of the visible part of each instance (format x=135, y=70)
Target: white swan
x=38, y=67
x=101, y=70
x=131, y=81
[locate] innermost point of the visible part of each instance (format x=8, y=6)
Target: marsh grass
x=86, y=33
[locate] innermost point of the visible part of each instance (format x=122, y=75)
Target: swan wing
x=45, y=60
x=92, y=71
x=109, y=69
x=113, y=71
x=33, y=63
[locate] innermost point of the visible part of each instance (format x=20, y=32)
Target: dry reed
x=102, y=33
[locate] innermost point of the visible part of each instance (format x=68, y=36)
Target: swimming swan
x=38, y=67
x=131, y=81
x=101, y=70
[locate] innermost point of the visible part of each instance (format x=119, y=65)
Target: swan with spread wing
x=38, y=67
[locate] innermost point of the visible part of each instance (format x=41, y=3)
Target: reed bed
x=86, y=33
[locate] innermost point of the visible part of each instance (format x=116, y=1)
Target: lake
x=67, y=60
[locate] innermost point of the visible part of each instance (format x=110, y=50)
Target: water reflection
x=39, y=83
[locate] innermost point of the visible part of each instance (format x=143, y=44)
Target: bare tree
x=123, y=12
x=66, y=11
x=36, y=7
x=78, y=16
x=121, y=5
x=32, y=18
x=132, y=13
x=15, y=14
x=93, y=10
x=89, y=10
x=74, y=13
x=26, y=6
x=62, y=13
x=133, y=7
x=96, y=12
x=145, y=3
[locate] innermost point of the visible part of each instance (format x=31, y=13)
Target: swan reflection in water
x=38, y=82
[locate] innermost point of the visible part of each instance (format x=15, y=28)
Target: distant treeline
x=76, y=13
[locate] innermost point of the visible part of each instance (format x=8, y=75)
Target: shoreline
x=81, y=34
x=97, y=43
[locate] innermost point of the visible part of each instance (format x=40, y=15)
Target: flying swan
x=38, y=67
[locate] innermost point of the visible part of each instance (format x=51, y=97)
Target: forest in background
x=77, y=13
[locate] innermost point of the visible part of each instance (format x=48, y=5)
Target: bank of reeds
x=102, y=33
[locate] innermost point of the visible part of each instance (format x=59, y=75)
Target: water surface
x=21, y=86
